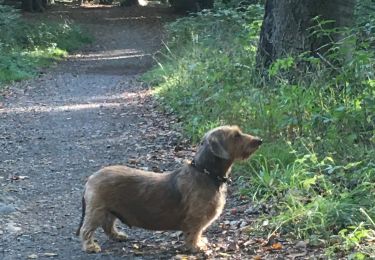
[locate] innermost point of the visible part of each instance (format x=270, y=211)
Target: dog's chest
x=213, y=207
x=219, y=202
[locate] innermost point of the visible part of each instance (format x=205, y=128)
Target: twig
x=327, y=62
x=367, y=216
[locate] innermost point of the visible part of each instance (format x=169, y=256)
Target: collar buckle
x=218, y=179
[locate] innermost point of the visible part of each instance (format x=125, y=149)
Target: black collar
x=219, y=180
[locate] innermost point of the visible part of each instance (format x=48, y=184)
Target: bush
x=25, y=46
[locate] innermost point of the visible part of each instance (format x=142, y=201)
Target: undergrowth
x=27, y=45
x=317, y=166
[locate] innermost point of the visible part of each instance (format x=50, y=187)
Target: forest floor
x=89, y=111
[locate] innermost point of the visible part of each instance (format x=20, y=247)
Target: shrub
x=25, y=46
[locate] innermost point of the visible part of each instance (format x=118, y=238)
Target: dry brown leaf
x=182, y=257
x=277, y=246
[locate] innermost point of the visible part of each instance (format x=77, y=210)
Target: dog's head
x=228, y=142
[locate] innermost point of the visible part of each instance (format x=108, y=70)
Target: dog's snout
x=257, y=141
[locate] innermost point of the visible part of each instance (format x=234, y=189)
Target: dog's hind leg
x=92, y=221
x=110, y=229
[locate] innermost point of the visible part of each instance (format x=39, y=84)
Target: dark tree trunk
x=128, y=3
x=27, y=5
x=286, y=24
x=205, y=4
x=34, y=5
x=191, y=5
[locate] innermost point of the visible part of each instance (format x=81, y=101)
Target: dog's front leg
x=195, y=242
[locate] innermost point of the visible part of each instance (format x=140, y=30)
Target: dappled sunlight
x=93, y=6
x=90, y=103
x=71, y=107
x=110, y=55
x=132, y=18
x=143, y=2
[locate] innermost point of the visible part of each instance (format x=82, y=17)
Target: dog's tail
x=82, y=216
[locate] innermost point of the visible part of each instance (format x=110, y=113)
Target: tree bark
x=27, y=5
x=285, y=30
x=34, y=5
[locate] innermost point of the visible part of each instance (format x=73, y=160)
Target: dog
x=188, y=199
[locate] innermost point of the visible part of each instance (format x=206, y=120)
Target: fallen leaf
x=16, y=177
x=137, y=252
x=249, y=242
x=301, y=244
x=232, y=246
x=277, y=246
x=257, y=257
x=295, y=255
x=246, y=229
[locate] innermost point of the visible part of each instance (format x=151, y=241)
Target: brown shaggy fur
x=188, y=199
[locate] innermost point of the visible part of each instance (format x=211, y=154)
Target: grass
x=317, y=167
x=25, y=45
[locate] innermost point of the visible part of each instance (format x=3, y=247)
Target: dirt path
x=90, y=111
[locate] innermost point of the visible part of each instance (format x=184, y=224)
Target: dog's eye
x=237, y=135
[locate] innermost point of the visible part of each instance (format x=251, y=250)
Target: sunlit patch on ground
x=110, y=55
x=95, y=102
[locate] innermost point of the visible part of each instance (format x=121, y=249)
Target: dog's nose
x=258, y=141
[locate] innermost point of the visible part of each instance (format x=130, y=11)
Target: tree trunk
x=27, y=5
x=285, y=30
x=34, y=5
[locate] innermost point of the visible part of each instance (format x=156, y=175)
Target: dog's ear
x=216, y=146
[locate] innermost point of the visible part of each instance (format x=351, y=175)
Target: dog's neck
x=215, y=167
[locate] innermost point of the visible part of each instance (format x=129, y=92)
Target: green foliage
x=25, y=46
x=214, y=90
x=355, y=241
x=317, y=115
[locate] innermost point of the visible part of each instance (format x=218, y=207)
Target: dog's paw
x=91, y=247
x=204, y=241
x=119, y=236
x=201, y=246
